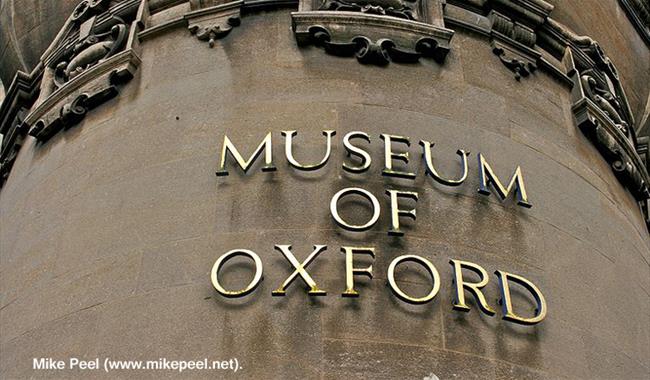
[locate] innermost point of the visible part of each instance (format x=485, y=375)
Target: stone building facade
x=116, y=117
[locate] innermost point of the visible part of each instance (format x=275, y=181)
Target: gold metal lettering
x=214, y=276
x=427, y=265
x=351, y=271
x=288, y=150
x=431, y=170
x=265, y=146
x=506, y=300
x=474, y=288
x=300, y=270
x=389, y=156
x=366, y=194
x=353, y=150
x=396, y=212
x=486, y=175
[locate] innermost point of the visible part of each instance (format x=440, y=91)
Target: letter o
x=364, y=193
x=428, y=266
x=227, y=256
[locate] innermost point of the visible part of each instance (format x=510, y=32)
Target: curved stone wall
x=113, y=217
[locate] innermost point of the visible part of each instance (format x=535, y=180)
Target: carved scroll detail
x=522, y=67
x=367, y=51
x=370, y=38
x=513, y=42
x=93, y=54
x=90, y=51
x=215, y=30
x=214, y=21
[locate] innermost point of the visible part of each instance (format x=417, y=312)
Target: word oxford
x=460, y=283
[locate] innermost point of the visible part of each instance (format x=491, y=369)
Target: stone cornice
x=23, y=89
x=20, y=96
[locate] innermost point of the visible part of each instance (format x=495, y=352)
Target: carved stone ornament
x=72, y=112
x=90, y=51
x=515, y=59
x=214, y=21
x=513, y=41
x=374, y=31
x=395, y=8
x=379, y=52
x=95, y=51
x=371, y=38
x=602, y=113
x=617, y=150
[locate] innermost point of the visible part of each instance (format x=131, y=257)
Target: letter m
x=265, y=146
x=486, y=175
x=39, y=363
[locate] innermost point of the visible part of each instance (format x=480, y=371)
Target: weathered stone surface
x=110, y=228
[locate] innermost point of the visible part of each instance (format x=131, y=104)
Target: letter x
x=300, y=270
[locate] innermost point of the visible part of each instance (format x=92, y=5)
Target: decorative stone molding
x=520, y=59
x=371, y=38
x=598, y=78
x=90, y=50
x=20, y=96
x=513, y=32
x=69, y=113
x=379, y=52
x=602, y=113
x=512, y=27
x=213, y=19
x=94, y=52
x=374, y=31
x=618, y=151
x=208, y=20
